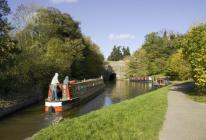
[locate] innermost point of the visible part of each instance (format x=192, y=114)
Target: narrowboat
x=74, y=93
x=161, y=81
x=141, y=79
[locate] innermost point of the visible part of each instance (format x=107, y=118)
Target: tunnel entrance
x=112, y=77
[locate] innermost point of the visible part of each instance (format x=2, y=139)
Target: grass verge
x=193, y=94
x=139, y=118
x=195, y=97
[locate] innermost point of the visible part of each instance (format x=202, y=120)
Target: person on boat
x=65, y=86
x=66, y=80
x=54, y=85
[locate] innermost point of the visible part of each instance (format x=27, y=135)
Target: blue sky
x=126, y=22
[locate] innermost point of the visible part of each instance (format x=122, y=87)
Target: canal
x=25, y=123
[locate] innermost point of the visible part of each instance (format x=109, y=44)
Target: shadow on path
x=183, y=87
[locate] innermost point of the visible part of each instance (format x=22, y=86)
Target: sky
x=126, y=22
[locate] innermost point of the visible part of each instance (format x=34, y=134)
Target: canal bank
x=138, y=118
x=26, y=122
x=16, y=107
x=27, y=98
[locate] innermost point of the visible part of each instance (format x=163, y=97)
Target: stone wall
x=35, y=95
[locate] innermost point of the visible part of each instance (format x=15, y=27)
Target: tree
x=158, y=49
x=56, y=40
x=178, y=67
x=90, y=65
x=7, y=46
x=194, y=48
x=138, y=64
x=125, y=51
x=4, y=11
x=116, y=54
x=49, y=42
x=153, y=57
x=8, y=49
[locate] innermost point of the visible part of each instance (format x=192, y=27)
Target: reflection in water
x=27, y=122
x=107, y=101
x=53, y=117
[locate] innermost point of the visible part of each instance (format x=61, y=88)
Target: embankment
x=138, y=118
x=32, y=96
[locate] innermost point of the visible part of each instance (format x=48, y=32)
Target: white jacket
x=55, y=80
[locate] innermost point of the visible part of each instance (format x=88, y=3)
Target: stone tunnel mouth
x=112, y=77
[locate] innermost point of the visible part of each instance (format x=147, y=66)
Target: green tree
x=116, y=54
x=125, y=52
x=90, y=65
x=8, y=49
x=56, y=40
x=158, y=48
x=138, y=64
x=49, y=42
x=153, y=57
x=7, y=46
x=194, y=47
x=178, y=67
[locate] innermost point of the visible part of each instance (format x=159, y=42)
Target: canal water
x=25, y=123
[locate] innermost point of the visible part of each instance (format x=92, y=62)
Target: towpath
x=185, y=119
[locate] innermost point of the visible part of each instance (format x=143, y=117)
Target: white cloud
x=63, y=1
x=121, y=36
